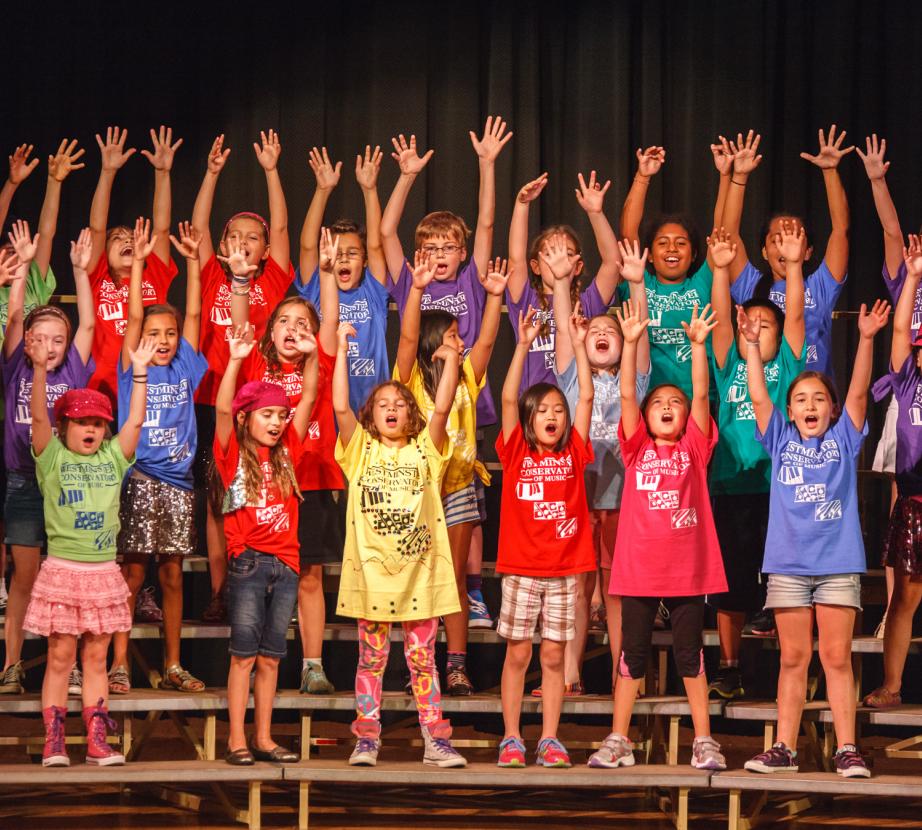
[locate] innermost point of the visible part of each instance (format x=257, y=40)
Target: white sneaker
x=440, y=753
x=616, y=751
x=366, y=752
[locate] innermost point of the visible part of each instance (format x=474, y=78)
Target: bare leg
x=217, y=549
x=795, y=635
x=62, y=654
x=836, y=624
x=518, y=656
x=93, y=651
x=475, y=551
x=576, y=648
x=730, y=631
x=238, y=691
x=25, y=569
x=552, y=658
x=907, y=593
x=459, y=537
x=170, y=574
x=697, y=690
x=311, y=610
x=134, y=569
x=267, y=675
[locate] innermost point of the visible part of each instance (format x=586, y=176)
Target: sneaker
x=777, y=759
x=98, y=751
x=511, y=753
x=366, y=752
x=850, y=764
x=728, y=684
x=146, y=609
x=55, y=752
x=314, y=681
x=552, y=753
x=762, y=624
x=706, y=754
x=459, y=684
x=598, y=618
x=216, y=612
x=478, y=615
x=616, y=751
x=439, y=751
x=12, y=679
x=75, y=682
x=662, y=616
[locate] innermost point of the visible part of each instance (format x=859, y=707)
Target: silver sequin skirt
x=156, y=518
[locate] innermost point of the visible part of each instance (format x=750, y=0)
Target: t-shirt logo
x=667, y=500
x=548, y=510
x=807, y=493
x=566, y=529
x=647, y=481
x=362, y=367
x=812, y=353
x=313, y=430
x=791, y=475
x=530, y=490
x=682, y=519
x=828, y=511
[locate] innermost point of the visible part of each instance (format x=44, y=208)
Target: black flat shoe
x=240, y=757
x=278, y=755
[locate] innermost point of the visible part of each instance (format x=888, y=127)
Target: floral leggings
x=419, y=649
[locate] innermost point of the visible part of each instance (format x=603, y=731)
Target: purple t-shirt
x=463, y=298
x=540, y=361
x=17, y=383
x=895, y=287
x=906, y=385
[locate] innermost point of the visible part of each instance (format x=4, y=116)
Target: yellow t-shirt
x=462, y=426
x=397, y=561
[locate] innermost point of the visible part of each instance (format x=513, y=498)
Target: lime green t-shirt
x=741, y=464
x=669, y=304
x=38, y=292
x=81, y=499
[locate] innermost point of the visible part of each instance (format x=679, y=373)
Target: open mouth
x=391, y=420
x=671, y=260
x=667, y=417
x=273, y=433
x=781, y=260
x=551, y=429
x=812, y=421
x=602, y=346
x=128, y=250
x=344, y=274
x=88, y=441
x=163, y=351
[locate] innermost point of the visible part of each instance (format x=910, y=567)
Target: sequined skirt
x=903, y=544
x=156, y=518
x=78, y=598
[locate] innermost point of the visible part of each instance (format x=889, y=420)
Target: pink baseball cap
x=83, y=403
x=257, y=394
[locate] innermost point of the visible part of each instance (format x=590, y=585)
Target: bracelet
x=645, y=180
x=734, y=181
x=244, y=280
x=139, y=378
x=240, y=292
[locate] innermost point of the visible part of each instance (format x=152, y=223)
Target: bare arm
x=582, y=418
x=518, y=237
x=201, y=211
x=162, y=160
x=563, y=308
x=59, y=167
x=366, y=172
x=633, y=268
x=240, y=346
x=876, y=168
x=746, y=159
x=649, y=162
x=114, y=155
x=423, y=274
x=444, y=398
x=794, y=245
x=528, y=331
x=20, y=169
x=326, y=175
x=488, y=149
x=591, y=199
x=188, y=244
x=901, y=342
x=411, y=165
x=25, y=247
x=143, y=247
x=755, y=371
x=329, y=292
x=633, y=327
x=309, y=384
x=698, y=330
x=869, y=323
x=130, y=432
x=345, y=417
x=268, y=156
x=41, y=424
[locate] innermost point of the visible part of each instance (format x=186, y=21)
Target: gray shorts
x=799, y=591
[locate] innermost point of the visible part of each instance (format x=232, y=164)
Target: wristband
x=241, y=279
x=734, y=181
x=237, y=292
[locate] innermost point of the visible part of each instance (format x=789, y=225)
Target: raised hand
x=792, y=241
x=912, y=256
x=555, y=256
x=532, y=190
x=325, y=172
x=23, y=243
x=9, y=266
x=20, y=166
x=495, y=280
x=143, y=243
x=446, y=353
x=423, y=270
x=528, y=327
x=491, y=144
x=591, y=196
x=406, y=156
x=188, y=241
x=164, y=148
x=241, y=342
x=305, y=342
x=329, y=248
x=873, y=159
x=236, y=259
x=267, y=154
x=367, y=168
x=217, y=155
x=746, y=156
x=722, y=248
x=143, y=355
x=63, y=162
x=723, y=156
x=633, y=263
x=343, y=333
x=748, y=327
x=81, y=249
x=701, y=324
x=578, y=326
x=632, y=326
x=113, y=152
x=650, y=161
x=871, y=322
x=831, y=151
x=36, y=348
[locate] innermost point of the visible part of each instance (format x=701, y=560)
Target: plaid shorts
x=544, y=602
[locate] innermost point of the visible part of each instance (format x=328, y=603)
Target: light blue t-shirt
x=821, y=293
x=605, y=474
x=365, y=307
x=166, y=448
x=813, y=527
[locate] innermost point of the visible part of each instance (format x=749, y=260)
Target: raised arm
x=113, y=155
x=411, y=165
x=488, y=148
x=901, y=342
x=494, y=284
x=240, y=345
x=518, y=236
x=793, y=247
x=329, y=292
x=423, y=274
x=591, y=198
x=528, y=331
x=24, y=246
x=268, y=154
x=188, y=244
x=60, y=166
x=20, y=170
x=869, y=323
x=582, y=418
x=241, y=276
x=306, y=344
x=162, y=160
x=723, y=161
x=326, y=176
x=556, y=258
x=345, y=417
x=36, y=349
x=80, y=253
x=649, y=162
x=130, y=432
x=746, y=159
x=827, y=160
x=444, y=395
x=201, y=211
x=633, y=328
x=755, y=370
x=698, y=331
x=143, y=247
x=366, y=174
x=876, y=168
x=633, y=268
x=721, y=252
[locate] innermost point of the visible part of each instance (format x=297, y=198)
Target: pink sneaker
x=98, y=751
x=55, y=752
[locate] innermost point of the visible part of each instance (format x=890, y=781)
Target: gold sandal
x=177, y=678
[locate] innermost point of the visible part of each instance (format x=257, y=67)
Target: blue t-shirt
x=365, y=307
x=813, y=527
x=821, y=293
x=168, y=440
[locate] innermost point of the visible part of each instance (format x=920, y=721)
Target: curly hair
x=416, y=421
x=267, y=346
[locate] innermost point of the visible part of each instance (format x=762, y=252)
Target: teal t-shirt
x=81, y=499
x=741, y=464
x=669, y=304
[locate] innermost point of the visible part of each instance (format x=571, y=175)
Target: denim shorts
x=23, y=511
x=262, y=592
x=799, y=591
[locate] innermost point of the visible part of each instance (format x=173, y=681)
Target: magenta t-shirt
x=667, y=545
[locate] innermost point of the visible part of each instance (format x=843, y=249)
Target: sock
x=474, y=582
x=729, y=664
x=317, y=661
x=456, y=660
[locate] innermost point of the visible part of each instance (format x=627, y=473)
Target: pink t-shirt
x=667, y=545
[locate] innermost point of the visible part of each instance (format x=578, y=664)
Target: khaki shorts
x=547, y=603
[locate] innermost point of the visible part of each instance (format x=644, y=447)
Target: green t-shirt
x=81, y=498
x=740, y=464
x=38, y=292
x=669, y=304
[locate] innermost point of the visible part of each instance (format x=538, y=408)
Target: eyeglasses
x=434, y=250
x=351, y=253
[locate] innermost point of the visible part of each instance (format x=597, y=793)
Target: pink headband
x=258, y=394
x=246, y=214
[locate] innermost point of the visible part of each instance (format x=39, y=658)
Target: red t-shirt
x=544, y=527
x=317, y=468
x=111, y=302
x=667, y=545
x=271, y=525
x=266, y=292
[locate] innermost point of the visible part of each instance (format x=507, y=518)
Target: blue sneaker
x=478, y=615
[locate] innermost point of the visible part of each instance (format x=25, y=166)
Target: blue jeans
x=24, y=511
x=262, y=592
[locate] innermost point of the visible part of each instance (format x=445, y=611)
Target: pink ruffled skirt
x=78, y=598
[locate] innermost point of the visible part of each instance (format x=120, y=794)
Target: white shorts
x=885, y=454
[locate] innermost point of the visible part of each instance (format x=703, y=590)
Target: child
x=362, y=301
x=902, y=542
x=605, y=473
x=266, y=246
x=397, y=563
x=112, y=256
x=667, y=546
x=69, y=367
x=422, y=337
x=531, y=282
x=157, y=508
x=544, y=455
x=277, y=359
x=80, y=593
x=741, y=472
x=814, y=552
x=256, y=452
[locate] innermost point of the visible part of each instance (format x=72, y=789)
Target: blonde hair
x=442, y=223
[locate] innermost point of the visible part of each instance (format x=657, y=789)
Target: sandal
x=119, y=681
x=216, y=612
x=177, y=678
x=883, y=698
